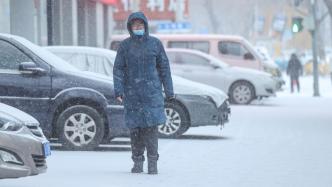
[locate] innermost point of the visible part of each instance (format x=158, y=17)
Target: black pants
x=144, y=138
x=295, y=80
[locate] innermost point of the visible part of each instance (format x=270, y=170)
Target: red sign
x=153, y=9
x=109, y=2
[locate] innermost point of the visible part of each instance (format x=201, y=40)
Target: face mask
x=139, y=32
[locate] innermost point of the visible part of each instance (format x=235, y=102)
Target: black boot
x=138, y=164
x=152, y=165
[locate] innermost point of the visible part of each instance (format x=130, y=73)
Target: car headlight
x=7, y=125
x=275, y=72
x=10, y=157
x=210, y=99
x=35, y=129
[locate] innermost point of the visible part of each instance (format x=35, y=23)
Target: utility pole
x=314, y=34
x=50, y=22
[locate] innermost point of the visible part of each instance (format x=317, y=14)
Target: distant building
x=263, y=22
x=87, y=22
x=70, y=22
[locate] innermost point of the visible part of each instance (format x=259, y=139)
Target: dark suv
x=71, y=105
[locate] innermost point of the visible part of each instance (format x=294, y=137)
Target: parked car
x=23, y=146
x=231, y=49
x=79, y=108
x=195, y=104
x=242, y=85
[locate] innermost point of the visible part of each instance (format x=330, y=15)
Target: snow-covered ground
x=281, y=141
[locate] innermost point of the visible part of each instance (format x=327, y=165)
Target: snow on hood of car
x=269, y=64
x=16, y=115
x=187, y=87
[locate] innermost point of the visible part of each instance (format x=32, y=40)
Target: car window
x=188, y=59
x=197, y=45
x=65, y=56
x=99, y=64
x=232, y=49
x=177, y=45
x=88, y=62
x=11, y=57
x=76, y=59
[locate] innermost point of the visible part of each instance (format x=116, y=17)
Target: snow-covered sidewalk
x=282, y=141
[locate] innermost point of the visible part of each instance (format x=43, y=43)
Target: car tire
x=80, y=127
x=177, y=121
x=241, y=93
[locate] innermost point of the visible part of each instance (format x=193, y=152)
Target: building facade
x=57, y=22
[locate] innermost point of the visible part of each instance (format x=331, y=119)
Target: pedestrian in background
x=140, y=70
x=294, y=70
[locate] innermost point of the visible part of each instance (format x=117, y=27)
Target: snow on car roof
x=80, y=49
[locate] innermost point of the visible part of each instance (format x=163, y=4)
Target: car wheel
x=242, y=93
x=80, y=128
x=177, y=121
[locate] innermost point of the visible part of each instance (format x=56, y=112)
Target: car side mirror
x=30, y=68
x=248, y=56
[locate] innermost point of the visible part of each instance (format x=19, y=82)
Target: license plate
x=47, y=149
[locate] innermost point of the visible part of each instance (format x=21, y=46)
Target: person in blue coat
x=141, y=70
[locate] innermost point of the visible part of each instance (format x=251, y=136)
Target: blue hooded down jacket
x=140, y=70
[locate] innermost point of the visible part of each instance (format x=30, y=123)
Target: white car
x=242, y=85
x=195, y=104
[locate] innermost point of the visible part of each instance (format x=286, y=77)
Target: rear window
x=181, y=58
x=89, y=62
x=197, y=45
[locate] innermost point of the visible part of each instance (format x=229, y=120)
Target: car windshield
x=47, y=56
x=216, y=61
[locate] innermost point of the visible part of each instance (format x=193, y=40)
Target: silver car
x=23, y=146
x=241, y=84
